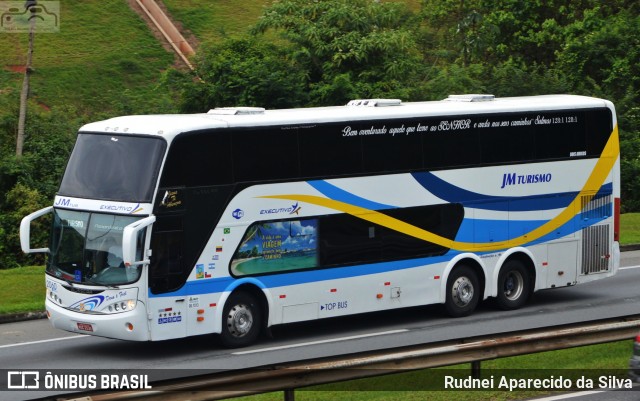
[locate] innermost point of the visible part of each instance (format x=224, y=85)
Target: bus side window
x=165, y=270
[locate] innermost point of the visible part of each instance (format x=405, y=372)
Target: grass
x=212, y=21
x=630, y=228
x=589, y=361
x=22, y=289
x=89, y=66
x=103, y=57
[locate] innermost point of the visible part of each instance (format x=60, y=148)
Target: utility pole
x=24, y=94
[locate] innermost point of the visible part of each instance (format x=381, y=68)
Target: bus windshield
x=86, y=248
x=113, y=167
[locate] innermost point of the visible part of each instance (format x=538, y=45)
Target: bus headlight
x=121, y=306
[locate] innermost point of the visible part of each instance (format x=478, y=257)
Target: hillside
x=211, y=21
x=105, y=58
x=103, y=55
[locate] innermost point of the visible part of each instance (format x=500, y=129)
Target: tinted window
x=198, y=159
x=265, y=154
x=444, y=149
x=559, y=135
x=167, y=270
x=397, y=150
x=443, y=220
x=598, y=126
x=383, y=146
x=508, y=144
x=345, y=239
x=340, y=240
x=113, y=167
x=326, y=151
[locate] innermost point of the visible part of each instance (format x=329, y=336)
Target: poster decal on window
x=277, y=246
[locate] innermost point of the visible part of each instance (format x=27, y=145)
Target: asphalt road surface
x=37, y=345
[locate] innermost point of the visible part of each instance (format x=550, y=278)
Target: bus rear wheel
x=463, y=292
x=241, y=320
x=514, y=285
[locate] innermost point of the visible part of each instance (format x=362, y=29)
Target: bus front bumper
x=130, y=325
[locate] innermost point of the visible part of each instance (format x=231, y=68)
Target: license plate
x=85, y=327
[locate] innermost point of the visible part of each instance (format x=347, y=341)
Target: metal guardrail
x=356, y=366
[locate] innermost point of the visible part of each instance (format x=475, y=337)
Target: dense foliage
x=330, y=51
x=334, y=50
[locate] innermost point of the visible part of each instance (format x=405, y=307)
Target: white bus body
x=240, y=219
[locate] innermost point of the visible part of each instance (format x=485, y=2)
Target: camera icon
x=17, y=17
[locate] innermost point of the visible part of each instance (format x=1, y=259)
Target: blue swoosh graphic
x=466, y=233
x=455, y=194
x=335, y=193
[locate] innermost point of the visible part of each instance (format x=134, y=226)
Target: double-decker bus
x=238, y=219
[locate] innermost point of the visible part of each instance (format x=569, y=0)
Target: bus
x=238, y=219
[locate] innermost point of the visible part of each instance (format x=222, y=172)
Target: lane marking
x=570, y=395
x=44, y=341
x=271, y=348
x=383, y=333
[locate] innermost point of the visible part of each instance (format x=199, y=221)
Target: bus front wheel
x=463, y=291
x=241, y=320
x=514, y=285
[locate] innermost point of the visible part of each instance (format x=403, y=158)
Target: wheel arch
x=253, y=287
x=468, y=259
x=520, y=254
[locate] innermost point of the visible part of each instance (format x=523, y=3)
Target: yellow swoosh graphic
x=599, y=174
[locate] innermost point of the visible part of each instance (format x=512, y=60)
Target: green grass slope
x=103, y=59
x=211, y=21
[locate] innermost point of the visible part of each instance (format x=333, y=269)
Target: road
x=36, y=345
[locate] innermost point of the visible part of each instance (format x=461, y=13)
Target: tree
x=332, y=51
x=28, y=183
x=601, y=56
x=239, y=72
x=349, y=48
x=20, y=201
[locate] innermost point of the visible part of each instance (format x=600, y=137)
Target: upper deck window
x=113, y=167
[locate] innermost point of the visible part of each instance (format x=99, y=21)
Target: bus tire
x=241, y=320
x=514, y=285
x=463, y=292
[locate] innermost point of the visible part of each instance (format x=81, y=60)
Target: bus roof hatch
x=470, y=98
x=375, y=102
x=236, y=111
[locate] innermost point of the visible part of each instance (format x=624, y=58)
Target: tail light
x=616, y=219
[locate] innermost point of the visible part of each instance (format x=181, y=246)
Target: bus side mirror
x=25, y=231
x=129, y=241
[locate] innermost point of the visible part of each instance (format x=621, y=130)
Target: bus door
x=161, y=250
x=167, y=305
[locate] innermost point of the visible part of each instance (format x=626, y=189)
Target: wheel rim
x=240, y=320
x=462, y=291
x=513, y=285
